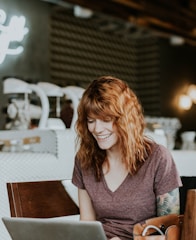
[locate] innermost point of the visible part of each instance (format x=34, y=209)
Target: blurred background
x=150, y=45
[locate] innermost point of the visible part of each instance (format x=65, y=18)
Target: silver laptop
x=53, y=229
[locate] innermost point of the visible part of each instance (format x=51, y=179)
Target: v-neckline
x=120, y=185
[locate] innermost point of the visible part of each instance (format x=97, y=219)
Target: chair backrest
x=189, y=229
x=43, y=199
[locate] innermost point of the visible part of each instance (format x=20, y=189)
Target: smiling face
x=104, y=132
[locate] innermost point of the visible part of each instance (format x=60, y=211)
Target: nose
x=98, y=126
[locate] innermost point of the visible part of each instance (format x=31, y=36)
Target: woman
x=122, y=176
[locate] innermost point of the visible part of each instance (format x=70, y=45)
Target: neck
x=114, y=155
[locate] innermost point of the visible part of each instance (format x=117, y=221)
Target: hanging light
x=185, y=102
x=192, y=92
x=82, y=12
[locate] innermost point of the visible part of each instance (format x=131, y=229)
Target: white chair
x=185, y=161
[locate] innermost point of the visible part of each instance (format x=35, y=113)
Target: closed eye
x=90, y=120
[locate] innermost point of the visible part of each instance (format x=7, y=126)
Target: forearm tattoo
x=168, y=203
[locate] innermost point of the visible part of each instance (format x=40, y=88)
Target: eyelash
x=104, y=120
x=90, y=121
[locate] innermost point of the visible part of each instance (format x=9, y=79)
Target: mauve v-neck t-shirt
x=135, y=199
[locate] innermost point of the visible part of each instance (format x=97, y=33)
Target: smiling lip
x=103, y=137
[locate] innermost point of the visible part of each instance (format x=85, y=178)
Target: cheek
x=114, y=128
x=116, y=138
x=90, y=127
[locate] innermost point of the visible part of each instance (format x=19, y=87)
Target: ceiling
x=164, y=18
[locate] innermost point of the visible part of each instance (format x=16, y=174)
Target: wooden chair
x=189, y=225
x=43, y=199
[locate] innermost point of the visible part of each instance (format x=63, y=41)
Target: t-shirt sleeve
x=77, y=177
x=166, y=176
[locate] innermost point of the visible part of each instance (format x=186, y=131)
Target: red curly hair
x=111, y=98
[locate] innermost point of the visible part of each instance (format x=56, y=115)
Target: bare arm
x=168, y=203
x=86, y=208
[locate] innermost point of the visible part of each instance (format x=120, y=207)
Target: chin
x=105, y=147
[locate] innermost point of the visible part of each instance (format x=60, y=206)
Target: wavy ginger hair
x=110, y=98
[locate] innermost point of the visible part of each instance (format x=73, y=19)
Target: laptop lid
x=53, y=229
